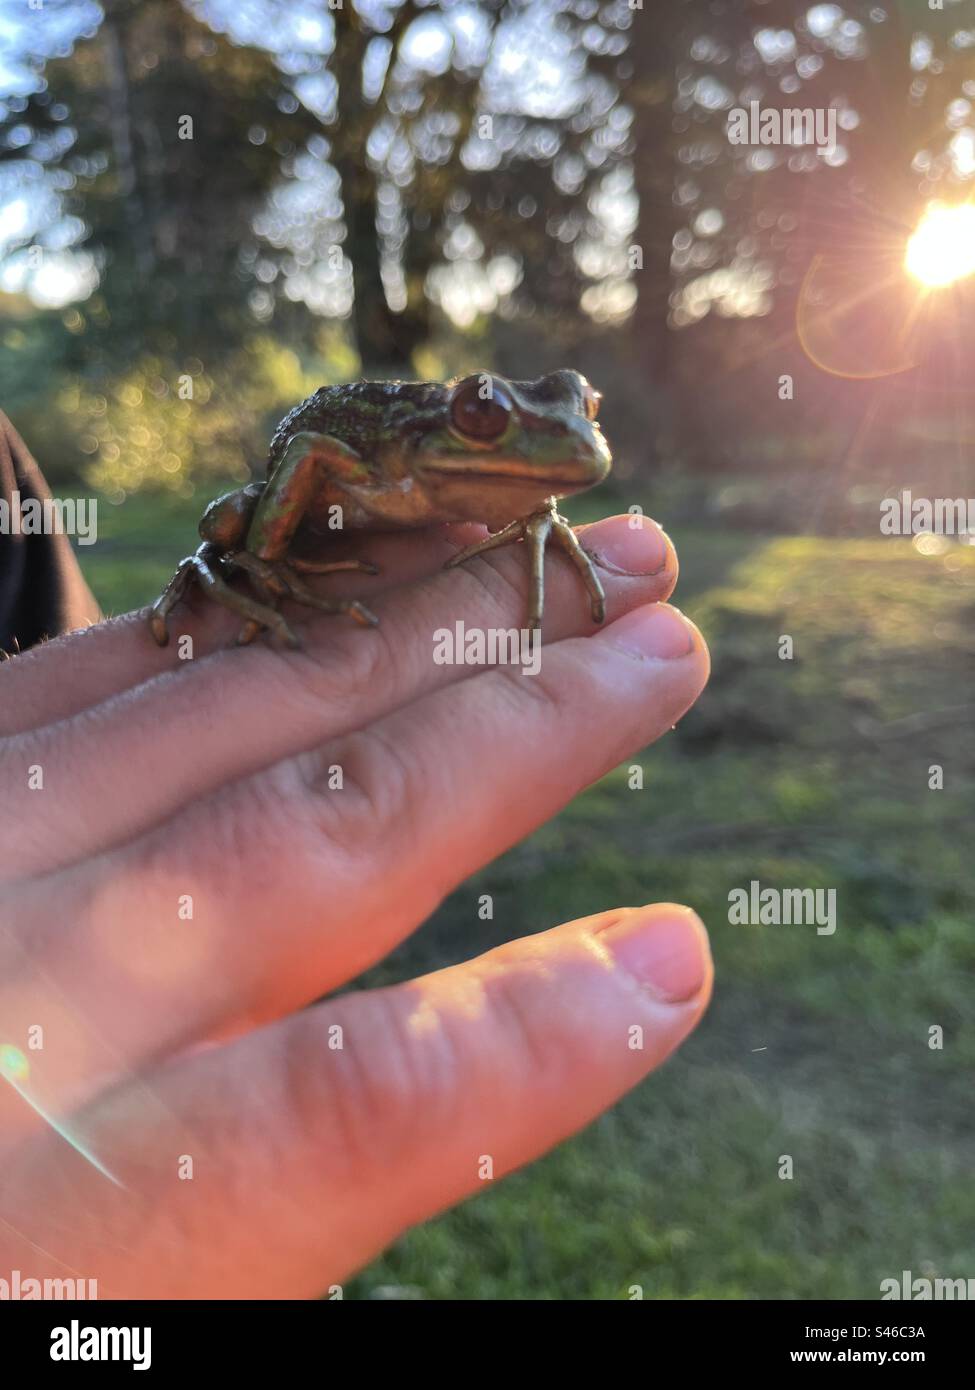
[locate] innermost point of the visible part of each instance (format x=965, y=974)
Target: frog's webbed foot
x=203, y=566
x=278, y=579
x=536, y=530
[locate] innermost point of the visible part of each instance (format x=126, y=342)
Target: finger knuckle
x=363, y=786
x=538, y=692
x=515, y=1003
x=361, y=1107
x=332, y=671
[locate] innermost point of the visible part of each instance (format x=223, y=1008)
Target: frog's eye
x=590, y=402
x=480, y=408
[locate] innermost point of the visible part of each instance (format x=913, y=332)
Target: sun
x=942, y=249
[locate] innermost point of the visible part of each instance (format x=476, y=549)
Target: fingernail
x=665, y=949
x=629, y=545
x=656, y=630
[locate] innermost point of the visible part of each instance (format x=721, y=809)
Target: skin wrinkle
x=512, y=1003
x=373, y=1094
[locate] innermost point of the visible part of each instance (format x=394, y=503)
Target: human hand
x=185, y=880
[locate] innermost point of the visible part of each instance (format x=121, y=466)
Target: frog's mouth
x=462, y=468
x=565, y=473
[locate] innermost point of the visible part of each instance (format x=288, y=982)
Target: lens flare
x=942, y=249
x=15, y=1068
x=13, y=1063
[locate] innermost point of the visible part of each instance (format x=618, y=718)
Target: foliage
x=169, y=424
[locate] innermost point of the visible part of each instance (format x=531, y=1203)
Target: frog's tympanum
x=387, y=455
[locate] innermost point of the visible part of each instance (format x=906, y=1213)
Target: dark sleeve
x=42, y=592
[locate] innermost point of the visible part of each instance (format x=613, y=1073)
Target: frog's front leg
x=293, y=485
x=536, y=530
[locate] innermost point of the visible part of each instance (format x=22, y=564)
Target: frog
x=391, y=456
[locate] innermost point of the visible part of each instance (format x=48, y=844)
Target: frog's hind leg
x=173, y=593
x=202, y=566
x=281, y=580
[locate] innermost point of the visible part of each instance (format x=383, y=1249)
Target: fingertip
x=634, y=546
x=665, y=948
x=657, y=631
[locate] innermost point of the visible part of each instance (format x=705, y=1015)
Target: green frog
x=390, y=455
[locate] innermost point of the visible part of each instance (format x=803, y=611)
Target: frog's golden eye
x=591, y=401
x=480, y=408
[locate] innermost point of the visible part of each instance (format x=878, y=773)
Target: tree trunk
x=651, y=92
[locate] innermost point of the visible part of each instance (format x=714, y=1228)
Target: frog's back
x=363, y=414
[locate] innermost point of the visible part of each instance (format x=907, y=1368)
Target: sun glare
x=942, y=249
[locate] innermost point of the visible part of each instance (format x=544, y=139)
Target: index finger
x=116, y=655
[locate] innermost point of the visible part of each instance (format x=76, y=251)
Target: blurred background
x=209, y=208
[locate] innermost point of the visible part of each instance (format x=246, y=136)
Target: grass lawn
x=812, y=772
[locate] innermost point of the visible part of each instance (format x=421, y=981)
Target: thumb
x=337, y=1128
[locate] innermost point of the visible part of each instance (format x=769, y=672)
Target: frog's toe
x=287, y=634
x=564, y=536
x=355, y=610
x=514, y=531
x=282, y=630
x=331, y=566
x=174, y=591
x=275, y=625
x=364, y=616
x=300, y=593
x=159, y=628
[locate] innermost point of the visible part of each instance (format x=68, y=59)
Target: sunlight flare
x=942, y=249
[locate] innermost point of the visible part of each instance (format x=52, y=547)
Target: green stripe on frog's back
x=364, y=415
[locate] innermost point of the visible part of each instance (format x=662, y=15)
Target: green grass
x=138, y=546
x=796, y=773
